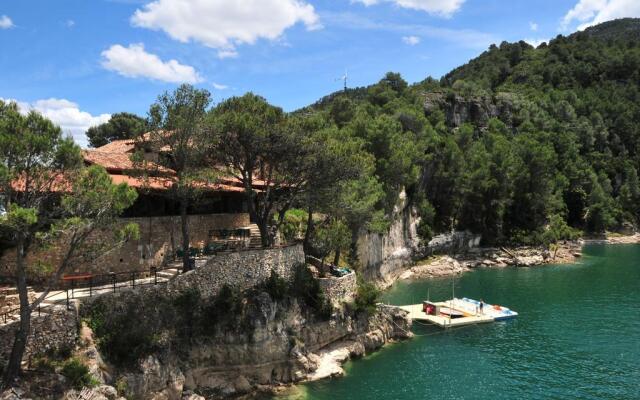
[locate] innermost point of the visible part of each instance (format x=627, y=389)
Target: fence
x=86, y=285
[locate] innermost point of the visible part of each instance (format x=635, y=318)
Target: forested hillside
x=523, y=145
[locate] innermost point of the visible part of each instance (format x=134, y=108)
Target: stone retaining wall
x=56, y=329
x=339, y=289
x=159, y=237
x=243, y=270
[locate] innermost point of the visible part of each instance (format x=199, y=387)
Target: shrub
x=367, y=297
x=186, y=304
x=307, y=288
x=122, y=338
x=43, y=363
x=78, y=374
x=224, y=307
x=275, y=286
x=294, y=224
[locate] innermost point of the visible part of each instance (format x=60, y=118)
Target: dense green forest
x=522, y=144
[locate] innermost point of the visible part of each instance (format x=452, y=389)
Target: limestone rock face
x=157, y=381
x=286, y=346
x=384, y=256
x=478, y=110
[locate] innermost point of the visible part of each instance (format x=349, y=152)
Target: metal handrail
x=94, y=284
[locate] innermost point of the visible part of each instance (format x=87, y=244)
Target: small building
x=219, y=215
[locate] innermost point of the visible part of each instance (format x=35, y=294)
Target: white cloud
x=224, y=24
x=5, y=22
x=219, y=86
x=442, y=8
x=70, y=23
x=592, y=12
x=466, y=38
x=135, y=62
x=411, y=40
x=66, y=114
x=533, y=26
x=227, y=53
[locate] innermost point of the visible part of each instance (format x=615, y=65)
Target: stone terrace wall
x=56, y=329
x=158, y=237
x=243, y=270
x=339, y=289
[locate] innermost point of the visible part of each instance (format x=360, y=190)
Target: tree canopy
x=513, y=142
x=121, y=126
x=49, y=197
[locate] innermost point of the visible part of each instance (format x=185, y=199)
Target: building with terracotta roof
x=219, y=216
x=153, y=181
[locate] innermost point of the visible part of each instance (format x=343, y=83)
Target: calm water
x=577, y=336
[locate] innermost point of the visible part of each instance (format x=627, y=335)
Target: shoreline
x=332, y=358
x=439, y=266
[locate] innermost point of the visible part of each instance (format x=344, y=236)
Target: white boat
x=497, y=312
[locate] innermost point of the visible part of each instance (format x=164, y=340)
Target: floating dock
x=458, y=312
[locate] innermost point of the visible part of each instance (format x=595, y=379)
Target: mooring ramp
x=416, y=313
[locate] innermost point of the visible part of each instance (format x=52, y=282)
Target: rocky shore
x=484, y=257
x=445, y=265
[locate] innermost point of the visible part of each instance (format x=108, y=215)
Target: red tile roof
x=164, y=183
x=118, y=146
x=56, y=183
x=121, y=162
x=115, y=157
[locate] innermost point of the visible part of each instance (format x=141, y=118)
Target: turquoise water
x=577, y=337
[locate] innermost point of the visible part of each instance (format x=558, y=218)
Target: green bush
x=121, y=336
x=275, y=286
x=78, y=374
x=222, y=308
x=294, y=225
x=186, y=304
x=306, y=288
x=121, y=387
x=367, y=297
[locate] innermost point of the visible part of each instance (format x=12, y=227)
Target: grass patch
x=78, y=374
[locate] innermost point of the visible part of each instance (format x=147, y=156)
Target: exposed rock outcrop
x=477, y=110
x=384, y=256
x=440, y=266
x=286, y=343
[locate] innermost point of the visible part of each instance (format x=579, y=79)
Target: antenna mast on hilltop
x=343, y=78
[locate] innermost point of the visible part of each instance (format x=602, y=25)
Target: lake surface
x=577, y=336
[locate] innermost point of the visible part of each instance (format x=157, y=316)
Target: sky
x=79, y=61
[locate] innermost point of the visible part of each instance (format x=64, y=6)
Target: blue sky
x=78, y=61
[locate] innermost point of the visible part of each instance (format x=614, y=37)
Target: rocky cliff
x=477, y=109
x=383, y=257
x=284, y=344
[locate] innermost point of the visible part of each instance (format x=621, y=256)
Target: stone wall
x=339, y=289
x=243, y=270
x=159, y=237
x=57, y=328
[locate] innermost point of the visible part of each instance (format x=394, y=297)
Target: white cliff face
x=384, y=256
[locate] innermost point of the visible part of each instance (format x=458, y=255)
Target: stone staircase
x=168, y=273
x=254, y=234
